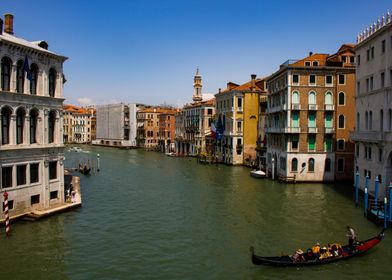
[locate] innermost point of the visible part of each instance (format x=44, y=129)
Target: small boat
x=359, y=248
x=258, y=174
x=75, y=149
x=171, y=154
x=84, y=169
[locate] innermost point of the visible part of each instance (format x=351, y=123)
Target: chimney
x=253, y=82
x=1, y=26
x=9, y=24
x=310, y=53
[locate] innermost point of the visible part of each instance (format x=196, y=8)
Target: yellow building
x=237, y=114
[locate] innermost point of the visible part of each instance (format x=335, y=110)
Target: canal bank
x=149, y=216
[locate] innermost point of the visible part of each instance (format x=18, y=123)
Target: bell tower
x=197, y=96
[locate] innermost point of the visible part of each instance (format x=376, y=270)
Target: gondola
x=84, y=170
x=359, y=248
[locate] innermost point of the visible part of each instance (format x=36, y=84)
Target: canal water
x=149, y=216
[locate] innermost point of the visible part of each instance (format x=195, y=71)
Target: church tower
x=197, y=96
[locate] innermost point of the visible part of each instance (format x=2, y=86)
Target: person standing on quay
x=352, y=237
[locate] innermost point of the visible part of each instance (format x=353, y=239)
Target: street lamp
x=273, y=168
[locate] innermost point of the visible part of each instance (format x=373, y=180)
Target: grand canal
x=148, y=216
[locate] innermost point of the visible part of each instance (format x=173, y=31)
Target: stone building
x=31, y=107
x=373, y=131
x=116, y=125
x=237, y=113
x=310, y=114
x=167, y=130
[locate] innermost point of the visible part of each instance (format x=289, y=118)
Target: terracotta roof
x=76, y=110
x=244, y=87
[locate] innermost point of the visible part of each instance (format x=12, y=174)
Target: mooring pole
x=376, y=193
x=6, y=215
x=356, y=188
x=390, y=202
x=385, y=212
x=366, y=194
x=98, y=162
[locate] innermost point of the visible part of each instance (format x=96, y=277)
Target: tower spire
x=197, y=85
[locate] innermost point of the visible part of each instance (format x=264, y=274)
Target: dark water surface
x=148, y=216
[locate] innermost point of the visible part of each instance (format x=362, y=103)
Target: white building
x=373, y=134
x=116, y=125
x=31, y=147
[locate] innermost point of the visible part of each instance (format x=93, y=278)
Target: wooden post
x=6, y=215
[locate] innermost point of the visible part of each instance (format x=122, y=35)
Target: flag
x=26, y=68
x=213, y=130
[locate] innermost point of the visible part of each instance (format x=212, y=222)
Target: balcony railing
x=295, y=106
x=329, y=107
x=369, y=136
x=292, y=129
x=312, y=107
x=312, y=129
x=329, y=130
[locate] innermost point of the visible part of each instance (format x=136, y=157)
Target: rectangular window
x=54, y=195
x=239, y=126
x=307, y=63
x=367, y=85
x=315, y=63
x=366, y=152
x=328, y=143
x=311, y=142
x=382, y=79
x=10, y=205
x=343, y=59
x=21, y=175
x=357, y=150
x=6, y=176
x=372, y=52
x=52, y=170
x=294, y=143
x=370, y=153
x=239, y=102
x=382, y=46
x=390, y=77
x=312, y=79
x=340, y=145
x=328, y=80
x=352, y=59
x=342, y=79
x=358, y=88
x=380, y=154
x=295, y=79
x=340, y=165
x=371, y=83
x=359, y=60
x=34, y=199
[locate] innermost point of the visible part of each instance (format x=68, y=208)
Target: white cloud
x=84, y=101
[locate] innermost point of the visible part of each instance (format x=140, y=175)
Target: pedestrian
x=352, y=237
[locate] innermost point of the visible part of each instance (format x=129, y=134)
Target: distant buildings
x=237, y=114
x=31, y=148
x=373, y=131
x=309, y=116
x=167, y=130
x=116, y=125
x=79, y=124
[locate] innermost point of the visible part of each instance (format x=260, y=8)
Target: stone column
x=44, y=126
x=41, y=91
x=12, y=130
x=26, y=129
x=13, y=78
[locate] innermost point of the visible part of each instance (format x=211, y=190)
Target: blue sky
x=148, y=51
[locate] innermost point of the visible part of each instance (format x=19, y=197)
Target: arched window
x=341, y=121
x=358, y=122
x=5, y=125
x=294, y=165
x=328, y=98
x=312, y=97
x=20, y=118
x=311, y=165
x=295, y=97
x=51, y=126
x=366, y=120
x=19, y=77
x=34, y=79
x=381, y=120
x=33, y=126
x=52, y=82
x=341, y=100
x=327, y=165
x=370, y=120
x=6, y=73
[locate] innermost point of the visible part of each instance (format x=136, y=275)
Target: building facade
x=167, y=130
x=31, y=106
x=116, y=125
x=237, y=116
x=310, y=114
x=373, y=131
x=79, y=124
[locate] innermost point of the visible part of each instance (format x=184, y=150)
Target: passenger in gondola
x=310, y=255
x=336, y=250
x=324, y=253
x=298, y=256
x=316, y=249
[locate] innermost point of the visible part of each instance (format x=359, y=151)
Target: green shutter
x=312, y=142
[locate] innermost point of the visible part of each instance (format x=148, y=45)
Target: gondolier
x=352, y=237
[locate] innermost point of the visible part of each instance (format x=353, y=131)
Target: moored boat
x=347, y=252
x=258, y=174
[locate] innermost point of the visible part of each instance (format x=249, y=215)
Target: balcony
x=312, y=130
x=329, y=107
x=369, y=136
x=292, y=129
x=312, y=107
x=274, y=130
x=239, y=109
x=329, y=130
x=295, y=106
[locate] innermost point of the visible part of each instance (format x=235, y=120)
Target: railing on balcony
x=274, y=130
x=239, y=109
x=329, y=107
x=295, y=106
x=312, y=129
x=369, y=136
x=329, y=129
x=312, y=107
x=292, y=129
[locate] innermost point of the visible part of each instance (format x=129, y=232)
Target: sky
x=147, y=51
